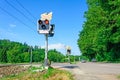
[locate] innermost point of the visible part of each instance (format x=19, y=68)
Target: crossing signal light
x=40, y=22
x=69, y=51
x=51, y=30
x=52, y=26
x=46, y=22
x=43, y=26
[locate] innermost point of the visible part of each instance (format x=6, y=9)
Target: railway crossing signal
x=44, y=27
x=68, y=48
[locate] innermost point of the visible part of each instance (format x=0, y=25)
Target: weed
x=50, y=74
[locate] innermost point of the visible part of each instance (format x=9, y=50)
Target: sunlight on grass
x=119, y=77
x=50, y=74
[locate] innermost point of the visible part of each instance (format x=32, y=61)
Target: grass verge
x=119, y=77
x=50, y=74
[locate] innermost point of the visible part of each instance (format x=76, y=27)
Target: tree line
x=16, y=52
x=100, y=37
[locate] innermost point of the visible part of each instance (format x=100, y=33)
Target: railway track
x=9, y=69
x=21, y=64
x=6, y=65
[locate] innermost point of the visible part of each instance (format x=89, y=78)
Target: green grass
x=72, y=62
x=119, y=77
x=50, y=74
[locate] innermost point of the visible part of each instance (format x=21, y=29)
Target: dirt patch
x=11, y=70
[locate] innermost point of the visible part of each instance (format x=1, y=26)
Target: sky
x=18, y=22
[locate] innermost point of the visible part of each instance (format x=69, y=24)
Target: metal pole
x=79, y=58
x=31, y=56
x=74, y=58
x=69, y=57
x=46, y=50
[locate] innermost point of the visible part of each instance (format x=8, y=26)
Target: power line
x=20, y=12
x=26, y=10
x=16, y=18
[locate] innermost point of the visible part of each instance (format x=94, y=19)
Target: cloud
x=11, y=34
x=55, y=46
x=7, y=33
x=12, y=25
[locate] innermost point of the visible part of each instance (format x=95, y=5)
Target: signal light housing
x=51, y=30
x=43, y=26
x=69, y=51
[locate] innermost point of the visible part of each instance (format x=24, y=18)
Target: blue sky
x=68, y=17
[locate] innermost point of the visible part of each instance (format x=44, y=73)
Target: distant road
x=91, y=71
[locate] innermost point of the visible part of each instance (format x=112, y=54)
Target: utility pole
x=31, y=55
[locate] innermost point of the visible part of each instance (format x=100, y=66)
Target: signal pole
x=46, y=51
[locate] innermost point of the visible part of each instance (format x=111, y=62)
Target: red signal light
x=46, y=22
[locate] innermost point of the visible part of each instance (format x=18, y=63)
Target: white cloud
x=12, y=25
x=55, y=46
x=7, y=33
x=12, y=34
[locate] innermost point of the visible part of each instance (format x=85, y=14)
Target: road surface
x=91, y=71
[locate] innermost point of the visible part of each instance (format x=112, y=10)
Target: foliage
x=15, y=52
x=100, y=37
x=119, y=77
x=55, y=56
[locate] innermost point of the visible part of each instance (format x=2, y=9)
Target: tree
x=100, y=37
x=55, y=56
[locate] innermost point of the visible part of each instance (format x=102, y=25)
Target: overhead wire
x=16, y=18
x=20, y=12
x=26, y=10
x=19, y=20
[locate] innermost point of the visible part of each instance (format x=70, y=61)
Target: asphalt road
x=91, y=71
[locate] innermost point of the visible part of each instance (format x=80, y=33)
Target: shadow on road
x=70, y=67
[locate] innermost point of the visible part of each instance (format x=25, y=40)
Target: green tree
x=100, y=37
x=55, y=56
